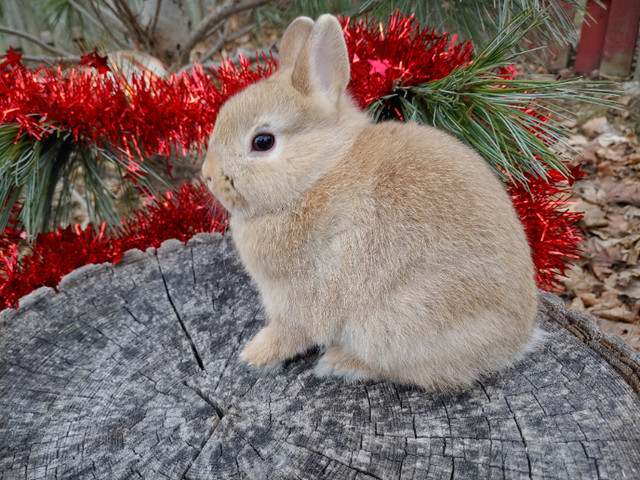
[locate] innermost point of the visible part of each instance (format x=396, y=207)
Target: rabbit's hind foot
x=336, y=362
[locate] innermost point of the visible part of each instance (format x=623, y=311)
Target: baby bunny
x=391, y=246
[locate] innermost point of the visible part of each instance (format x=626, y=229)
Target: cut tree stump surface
x=132, y=371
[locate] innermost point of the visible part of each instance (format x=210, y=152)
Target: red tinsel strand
x=139, y=114
x=400, y=54
x=550, y=226
x=179, y=215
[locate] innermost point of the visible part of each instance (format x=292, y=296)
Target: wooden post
x=620, y=40
x=636, y=75
x=559, y=56
x=132, y=371
x=592, y=36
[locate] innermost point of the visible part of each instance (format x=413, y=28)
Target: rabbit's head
x=274, y=140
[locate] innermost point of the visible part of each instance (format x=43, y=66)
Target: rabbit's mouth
x=230, y=182
x=224, y=189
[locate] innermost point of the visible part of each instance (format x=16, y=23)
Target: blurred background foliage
x=46, y=30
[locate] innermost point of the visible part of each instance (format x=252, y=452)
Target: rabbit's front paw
x=260, y=352
x=273, y=344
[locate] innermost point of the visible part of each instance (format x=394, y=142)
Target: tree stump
x=132, y=371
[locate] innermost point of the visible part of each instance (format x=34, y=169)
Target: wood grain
x=131, y=371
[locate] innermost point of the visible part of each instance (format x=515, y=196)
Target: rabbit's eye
x=263, y=142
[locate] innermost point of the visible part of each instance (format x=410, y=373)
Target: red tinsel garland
x=550, y=226
x=400, y=54
x=138, y=116
x=142, y=116
x=179, y=215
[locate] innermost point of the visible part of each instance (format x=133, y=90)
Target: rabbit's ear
x=293, y=40
x=323, y=64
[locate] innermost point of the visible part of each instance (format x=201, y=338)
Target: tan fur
x=392, y=245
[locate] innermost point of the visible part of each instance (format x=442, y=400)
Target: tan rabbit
x=392, y=246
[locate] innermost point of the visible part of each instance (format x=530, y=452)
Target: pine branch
x=492, y=113
x=43, y=173
x=36, y=40
x=480, y=20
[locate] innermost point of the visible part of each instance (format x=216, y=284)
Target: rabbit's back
x=418, y=191
x=422, y=254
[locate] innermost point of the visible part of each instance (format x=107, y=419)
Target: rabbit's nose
x=209, y=165
x=207, y=171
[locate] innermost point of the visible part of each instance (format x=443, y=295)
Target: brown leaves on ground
x=605, y=282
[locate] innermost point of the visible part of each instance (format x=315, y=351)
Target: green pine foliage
x=493, y=114
x=481, y=20
x=475, y=20
x=42, y=177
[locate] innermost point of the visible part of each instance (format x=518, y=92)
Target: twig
x=214, y=29
x=222, y=12
x=154, y=24
x=50, y=60
x=106, y=27
x=112, y=8
x=84, y=13
x=131, y=18
x=108, y=18
x=125, y=17
x=36, y=40
x=224, y=40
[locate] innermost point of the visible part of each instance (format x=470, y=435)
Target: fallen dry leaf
x=594, y=126
x=609, y=256
x=627, y=193
x=617, y=225
x=593, y=214
x=577, y=141
x=609, y=139
x=578, y=281
x=630, y=333
x=619, y=314
x=630, y=212
x=629, y=283
x=589, y=299
x=605, y=281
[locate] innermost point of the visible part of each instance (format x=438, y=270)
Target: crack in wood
x=220, y=413
x=194, y=349
x=193, y=267
x=524, y=441
x=365, y=473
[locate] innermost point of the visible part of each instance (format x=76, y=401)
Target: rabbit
x=392, y=247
